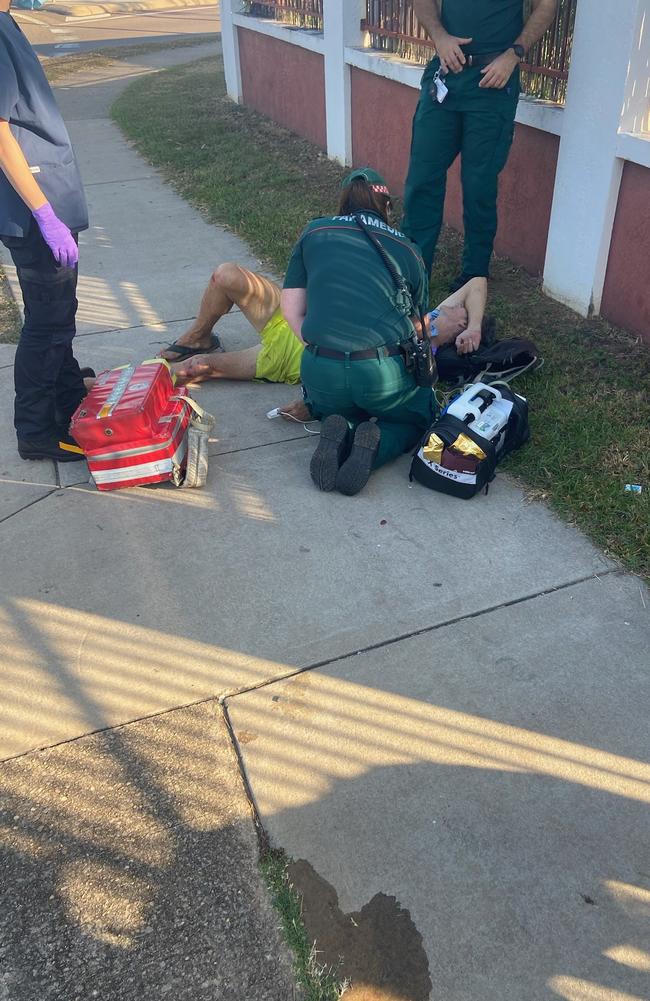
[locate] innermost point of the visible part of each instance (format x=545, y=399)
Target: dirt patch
x=379, y=949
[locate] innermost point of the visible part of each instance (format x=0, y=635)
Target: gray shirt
x=27, y=103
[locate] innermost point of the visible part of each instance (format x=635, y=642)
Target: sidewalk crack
x=31, y=503
x=382, y=644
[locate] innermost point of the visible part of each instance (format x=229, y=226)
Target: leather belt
x=480, y=61
x=382, y=351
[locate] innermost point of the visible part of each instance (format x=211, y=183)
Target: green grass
x=317, y=982
x=59, y=68
x=590, y=404
x=9, y=314
x=241, y=169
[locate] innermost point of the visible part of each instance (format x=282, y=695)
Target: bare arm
x=501, y=69
x=540, y=19
x=472, y=297
x=448, y=47
x=15, y=166
x=293, y=303
x=475, y=303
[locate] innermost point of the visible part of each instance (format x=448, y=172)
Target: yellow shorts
x=279, y=359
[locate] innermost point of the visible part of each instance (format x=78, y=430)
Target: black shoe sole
x=57, y=455
x=355, y=471
x=65, y=457
x=330, y=452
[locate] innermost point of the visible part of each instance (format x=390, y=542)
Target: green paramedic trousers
x=478, y=124
x=372, y=387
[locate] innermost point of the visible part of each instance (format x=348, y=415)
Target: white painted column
x=588, y=171
x=636, y=107
x=230, y=48
x=341, y=22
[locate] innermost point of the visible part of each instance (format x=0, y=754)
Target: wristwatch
x=519, y=51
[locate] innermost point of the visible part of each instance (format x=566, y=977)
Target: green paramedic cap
x=375, y=180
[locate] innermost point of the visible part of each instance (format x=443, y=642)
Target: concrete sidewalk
x=72, y=9
x=463, y=764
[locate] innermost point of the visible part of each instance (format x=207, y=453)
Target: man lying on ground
x=197, y=355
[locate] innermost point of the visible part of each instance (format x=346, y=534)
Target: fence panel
x=393, y=28
x=299, y=13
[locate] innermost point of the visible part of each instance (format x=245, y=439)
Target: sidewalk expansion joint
x=55, y=488
x=41, y=748
x=120, y=180
x=221, y=700
x=263, y=842
x=251, y=448
x=136, y=326
x=382, y=644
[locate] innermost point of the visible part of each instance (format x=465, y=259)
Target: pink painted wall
x=526, y=186
x=626, y=296
x=284, y=82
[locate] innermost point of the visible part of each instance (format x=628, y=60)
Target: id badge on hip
x=439, y=88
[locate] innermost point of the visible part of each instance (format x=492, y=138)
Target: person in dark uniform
x=467, y=105
x=42, y=209
x=340, y=299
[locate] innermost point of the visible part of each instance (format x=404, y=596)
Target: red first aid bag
x=125, y=404
x=136, y=428
x=154, y=458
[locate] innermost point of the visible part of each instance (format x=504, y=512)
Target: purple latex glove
x=57, y=236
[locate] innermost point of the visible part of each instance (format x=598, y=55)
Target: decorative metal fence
x=393, y=28
x=300, y=13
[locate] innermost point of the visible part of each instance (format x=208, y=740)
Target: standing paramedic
x=340, y=299
x=467, y=105
x=42, y=208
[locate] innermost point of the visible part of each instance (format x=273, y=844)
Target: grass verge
x=59, y=68
x=590, y=404
x=317, y=982
x=9, y=313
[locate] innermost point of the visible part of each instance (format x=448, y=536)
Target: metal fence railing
x=393, y=28
x=300, y=13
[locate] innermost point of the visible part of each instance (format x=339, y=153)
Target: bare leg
x=239, y=365
x=230, y=285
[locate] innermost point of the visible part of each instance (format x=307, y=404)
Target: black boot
x=355, y=471
x=60, y=447
x=330, y=452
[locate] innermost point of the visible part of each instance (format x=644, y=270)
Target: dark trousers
x=358, y=390
x=47, y=379
x=478, y=125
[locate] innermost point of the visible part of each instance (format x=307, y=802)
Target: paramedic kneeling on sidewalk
x=42, y=208
x=339, y=297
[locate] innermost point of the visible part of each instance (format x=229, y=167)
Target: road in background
x=55, y=35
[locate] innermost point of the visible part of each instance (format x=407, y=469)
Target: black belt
x=480, y=61
x=383, y=351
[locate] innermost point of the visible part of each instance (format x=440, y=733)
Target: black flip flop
x=185, y=351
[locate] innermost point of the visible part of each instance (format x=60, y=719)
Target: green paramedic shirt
x=493, y=25
x=350, y=293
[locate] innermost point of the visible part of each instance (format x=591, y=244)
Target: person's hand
x=57, y=236
x=449, y=52
x=451, y=321
x=497, y=73
x=468, y=341
x=194, y=369
x=298, y=410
